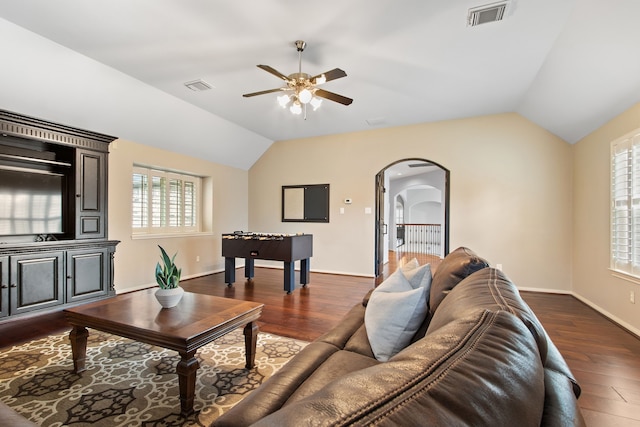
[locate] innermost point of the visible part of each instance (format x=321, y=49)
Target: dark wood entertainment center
x=58, y=256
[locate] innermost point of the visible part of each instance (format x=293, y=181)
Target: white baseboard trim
x=339, y=273
x=545, y=291
x=154, y=284
x=134, y=288
x=344, y=273
x=204, y=273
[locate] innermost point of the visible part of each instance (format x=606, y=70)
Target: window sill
x=625, y=276
x=170, y=235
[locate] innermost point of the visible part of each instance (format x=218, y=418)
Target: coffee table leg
x=186, y=369
x=78, y=337
x=250, y=340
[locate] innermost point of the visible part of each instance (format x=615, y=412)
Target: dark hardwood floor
x=604, y=357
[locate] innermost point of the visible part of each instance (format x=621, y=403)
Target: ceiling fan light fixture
x=321, y=79
x=296, y=108
x=315, y=103
x=283, y=100
x=305, y=96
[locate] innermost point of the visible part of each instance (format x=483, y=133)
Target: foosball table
x=287, y=248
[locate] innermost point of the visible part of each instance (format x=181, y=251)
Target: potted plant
x=168, y=279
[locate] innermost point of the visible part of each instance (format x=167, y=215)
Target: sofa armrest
x=276, y=390
x=349, y=325
x=560, y=404
x=365, y=300
x=9, y=417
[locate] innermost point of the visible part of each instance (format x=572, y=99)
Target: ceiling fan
x=301, y=88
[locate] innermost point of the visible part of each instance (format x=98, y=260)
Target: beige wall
x=592, y=279
x=511, y=193
x=135, y=259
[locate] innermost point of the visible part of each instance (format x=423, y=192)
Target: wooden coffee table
x=197, y=320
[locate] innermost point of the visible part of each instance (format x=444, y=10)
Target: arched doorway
x=409, y=189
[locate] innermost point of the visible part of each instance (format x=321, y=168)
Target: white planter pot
x=169, y=297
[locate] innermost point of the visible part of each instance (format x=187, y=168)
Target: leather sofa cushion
x=488, y=288
x=454, y=267
x=336, y=366
x=359, y=343
x=479, y=368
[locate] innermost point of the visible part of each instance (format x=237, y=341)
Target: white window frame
x=625, y=205
x=169, y=224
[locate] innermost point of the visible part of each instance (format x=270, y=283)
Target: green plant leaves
x=167, y=274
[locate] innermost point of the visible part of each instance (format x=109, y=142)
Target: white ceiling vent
x=488, y=13
x=198, y=85
x=378, y=121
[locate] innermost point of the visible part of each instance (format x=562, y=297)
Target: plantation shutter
x=140, y=202
x=175, y=202
x=164, y=202
x=625, y=204
x=158, y=201
x=190, y=204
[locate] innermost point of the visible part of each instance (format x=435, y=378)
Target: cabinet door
x=4, y=286
x=87, y=273
x=36, y=281
x=91, y=194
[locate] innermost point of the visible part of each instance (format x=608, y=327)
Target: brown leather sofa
x=481, y=357
x=10, y=418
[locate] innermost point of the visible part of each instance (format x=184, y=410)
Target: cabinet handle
x=4, y=286
x=69, y=277
x=14, y=285
x=78, y=195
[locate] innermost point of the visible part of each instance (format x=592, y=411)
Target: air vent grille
x=488, y=13
x=198, y=85
x=378, y=121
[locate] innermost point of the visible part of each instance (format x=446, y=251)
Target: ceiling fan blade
x=275, y=72
x=333, y=97
x=262, y=92
x=336, y=73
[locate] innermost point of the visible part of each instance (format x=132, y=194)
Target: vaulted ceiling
x=567, y=65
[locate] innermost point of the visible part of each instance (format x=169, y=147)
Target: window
x=164, y=202
x=625, y=204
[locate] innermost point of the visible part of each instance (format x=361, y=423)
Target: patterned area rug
x=128, y=383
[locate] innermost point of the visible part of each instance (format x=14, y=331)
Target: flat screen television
x=30, y=202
